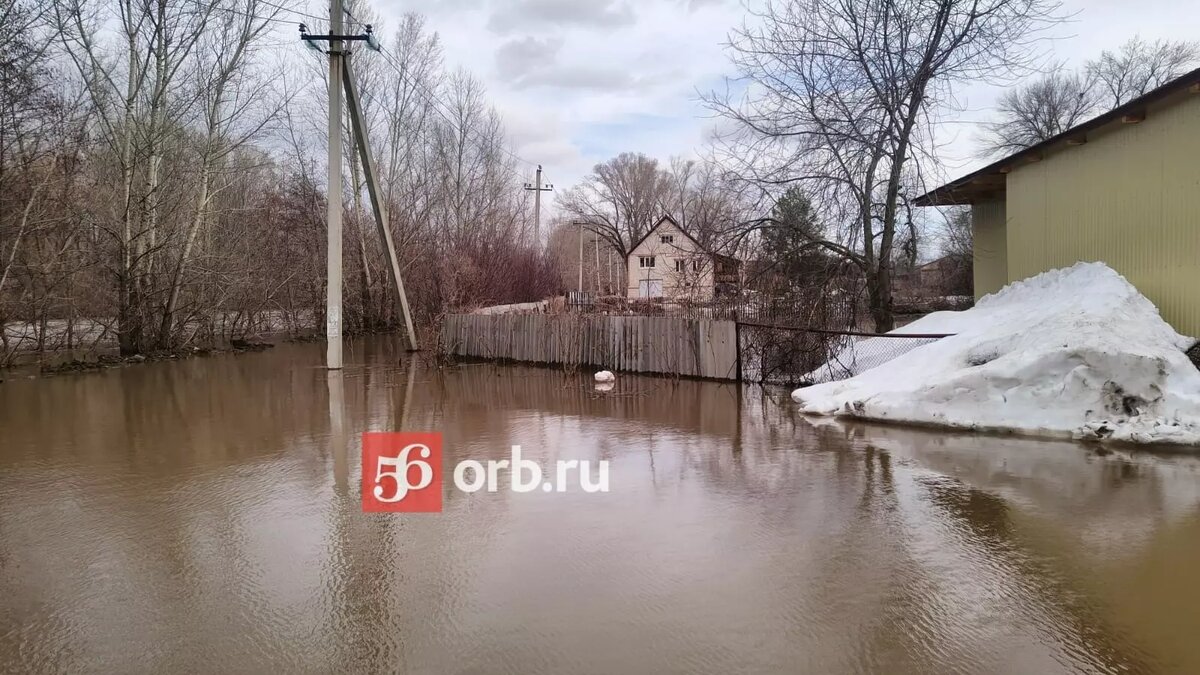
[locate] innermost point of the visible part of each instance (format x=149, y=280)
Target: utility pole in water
x=333, y=259
x=341, y=75
x=537, y=190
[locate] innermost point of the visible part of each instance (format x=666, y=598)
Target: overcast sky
x=579, y=81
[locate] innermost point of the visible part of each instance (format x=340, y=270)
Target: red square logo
x=401, y=472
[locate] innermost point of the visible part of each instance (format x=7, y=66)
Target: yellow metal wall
x=990, y=260
x=1130, y=197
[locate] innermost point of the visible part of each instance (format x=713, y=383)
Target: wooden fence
x=640, y=344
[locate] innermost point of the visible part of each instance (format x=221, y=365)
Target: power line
x=289, y=10
x=433, y=102
x=391, y=60
x=286, y=22
x=353, y=19
x=293, y=11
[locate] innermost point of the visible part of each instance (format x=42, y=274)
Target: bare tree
x=1034, y=112
x=707, y=201
x=1139, y=66
x=603, y=268
x=959, y=246
x=837, y=98
x=228, y=95
x=134, y=84
x=144, y=200
x=621, y=199
x=1049, y=105
x=959, y=235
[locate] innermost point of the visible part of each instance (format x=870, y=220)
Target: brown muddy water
x=204, y=516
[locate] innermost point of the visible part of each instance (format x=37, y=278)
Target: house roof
x=671, y=220
x=935, y=262
x=990, y=181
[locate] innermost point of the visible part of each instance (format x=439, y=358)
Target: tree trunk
x=168, y=315
x=154, y=157
x=128, y=333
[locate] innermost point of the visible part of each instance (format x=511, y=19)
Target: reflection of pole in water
x=737, y=425
x=408, y=395
x=337, y=430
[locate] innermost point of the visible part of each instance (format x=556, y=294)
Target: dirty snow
x=516, y=308
x=1076, y=351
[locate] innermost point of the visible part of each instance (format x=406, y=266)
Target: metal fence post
x=737, y=344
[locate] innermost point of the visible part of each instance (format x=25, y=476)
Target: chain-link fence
x=806, y=336
x=801, y=357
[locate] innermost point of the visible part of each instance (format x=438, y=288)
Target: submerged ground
x=204, y=515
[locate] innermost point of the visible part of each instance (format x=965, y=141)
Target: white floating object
x=605, y=387
x=605, y=376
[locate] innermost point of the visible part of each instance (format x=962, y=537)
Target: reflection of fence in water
x=802, y=356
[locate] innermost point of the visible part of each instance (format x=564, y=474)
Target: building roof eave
x=990, y=182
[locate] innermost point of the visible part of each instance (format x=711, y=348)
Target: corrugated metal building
x=1123, y=188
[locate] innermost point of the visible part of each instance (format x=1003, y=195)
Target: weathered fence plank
x=644, y=344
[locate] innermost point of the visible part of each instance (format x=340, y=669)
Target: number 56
x=391, y=458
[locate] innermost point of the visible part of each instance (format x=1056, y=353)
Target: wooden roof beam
x=1133, y=117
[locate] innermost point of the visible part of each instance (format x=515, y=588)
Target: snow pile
x=517, y=308
x=1074, y=351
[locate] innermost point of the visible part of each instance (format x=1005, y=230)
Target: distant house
x=935, y=278
x=669, y=263
x=1121, y=188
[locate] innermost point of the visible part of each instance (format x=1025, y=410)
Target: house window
x=645, y=261
x=695, y=265
x=680, y=265
x=667, y=239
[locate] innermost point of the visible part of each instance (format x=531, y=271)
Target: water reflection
x=204, y=515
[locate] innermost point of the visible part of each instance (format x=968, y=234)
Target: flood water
x=204, y=516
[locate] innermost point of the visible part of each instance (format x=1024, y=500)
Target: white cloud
x=580, y=80
x=525, y=15
x=518, y=58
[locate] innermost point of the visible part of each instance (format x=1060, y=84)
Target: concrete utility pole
x=341, y=75
x=333, y=260
x=537, y=190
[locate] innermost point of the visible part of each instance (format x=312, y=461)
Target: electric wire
x=434, y=102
